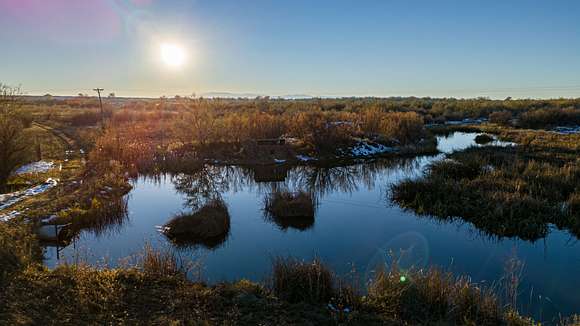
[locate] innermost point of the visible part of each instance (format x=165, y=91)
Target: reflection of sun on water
x=172, y=55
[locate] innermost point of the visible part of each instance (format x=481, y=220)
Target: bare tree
x=10, y=99
x=13, y=146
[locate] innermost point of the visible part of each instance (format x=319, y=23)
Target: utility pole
x=99, y=90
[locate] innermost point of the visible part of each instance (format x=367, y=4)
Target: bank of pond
x=233, y=220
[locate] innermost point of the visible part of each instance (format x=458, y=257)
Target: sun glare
x=172, y=55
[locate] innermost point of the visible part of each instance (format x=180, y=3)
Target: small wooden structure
x=273, y=148
x=55, y=235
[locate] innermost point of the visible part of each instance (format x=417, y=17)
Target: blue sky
x=323, y=48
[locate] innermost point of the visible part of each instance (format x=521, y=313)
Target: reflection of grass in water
x=209, y=226
x=503, y=191
x=103, y=216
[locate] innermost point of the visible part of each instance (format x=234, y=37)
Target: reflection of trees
x=323, y=180
x=207, y=183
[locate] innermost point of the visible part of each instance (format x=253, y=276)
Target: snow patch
x=363, y=148
x=277, y=161
x=7, y=200
x=305, y=158
x=8, y=216
x=35, y=167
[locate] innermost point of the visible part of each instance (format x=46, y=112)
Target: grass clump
x=159, y=263
x=483, y=139
x=287, y=204
x=210, y=226
x=290, y=210
x=299, y=281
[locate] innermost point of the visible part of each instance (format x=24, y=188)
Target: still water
x=355, y=226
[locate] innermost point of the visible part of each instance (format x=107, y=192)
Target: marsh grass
x=424, y=296
x=209, y=226
x=160, y=263
x=503, y=191
x=285, y=204
x=300, y=281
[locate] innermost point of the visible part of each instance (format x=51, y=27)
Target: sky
x=437, y=48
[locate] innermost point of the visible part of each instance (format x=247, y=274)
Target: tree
x=13, y=147
x=10, y=98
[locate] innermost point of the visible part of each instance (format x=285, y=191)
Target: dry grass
x=433, y=296
x=503, y=191
x=210, y=226
x=299, y=281
x=18, y=248
x=290, y=210
x=483, y=139
x=284, y=204
x=157, y=263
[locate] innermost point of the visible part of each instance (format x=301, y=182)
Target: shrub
x=13, y=147
x=483, y=139
x=406, y=127
x=549, y=117
x=501, y=118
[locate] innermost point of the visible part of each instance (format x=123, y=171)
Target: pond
x=354, y=228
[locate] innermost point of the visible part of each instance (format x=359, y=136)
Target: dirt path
x=69, y=142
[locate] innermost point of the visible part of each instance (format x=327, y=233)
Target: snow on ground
x=35, y=167
x=567, y=130
x=278, y=161
x=305, y=158
x=363, y=148
x=7, y=200
x=8, y=216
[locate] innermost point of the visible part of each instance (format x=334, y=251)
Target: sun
x=172, y=55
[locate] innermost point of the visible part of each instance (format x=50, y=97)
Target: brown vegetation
x=210, y=226
x=503, y=191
